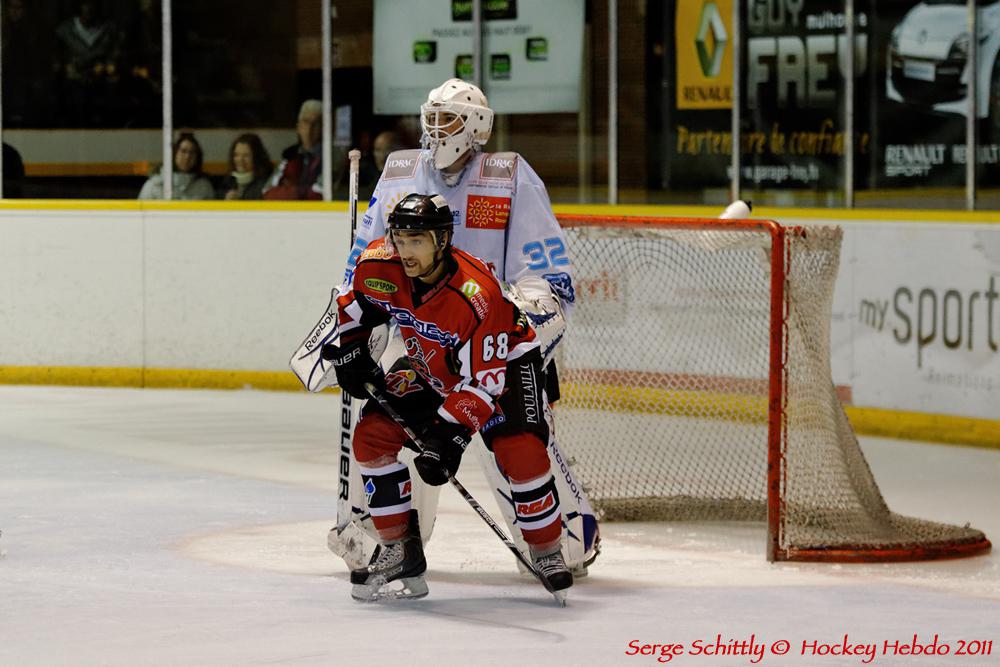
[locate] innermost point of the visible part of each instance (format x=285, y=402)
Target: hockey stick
x=344, y=508
x=380, y=398
x=352, y=190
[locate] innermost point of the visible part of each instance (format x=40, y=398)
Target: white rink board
x=902, y=334
x=72, y=288
x=165, y=289
x=239, y=289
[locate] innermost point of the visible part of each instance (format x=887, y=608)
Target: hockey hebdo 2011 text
x=755, y=649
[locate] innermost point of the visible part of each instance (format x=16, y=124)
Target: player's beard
x=418, y=270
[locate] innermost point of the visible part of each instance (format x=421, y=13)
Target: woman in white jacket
x=189, y=181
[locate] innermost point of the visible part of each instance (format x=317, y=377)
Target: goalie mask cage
x=696, y=385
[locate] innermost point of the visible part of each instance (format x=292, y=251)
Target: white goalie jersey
x=502, y=214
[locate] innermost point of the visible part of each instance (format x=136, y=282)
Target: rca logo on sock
x=536, y=507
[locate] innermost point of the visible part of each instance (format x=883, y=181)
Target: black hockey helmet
x=420, y=213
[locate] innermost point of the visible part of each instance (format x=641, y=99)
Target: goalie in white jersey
x=502, y=215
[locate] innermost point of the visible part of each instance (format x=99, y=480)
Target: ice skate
x=551, y=568
x=396, y=571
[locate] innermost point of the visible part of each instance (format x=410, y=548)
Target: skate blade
x=560, y=597
x=407, y=588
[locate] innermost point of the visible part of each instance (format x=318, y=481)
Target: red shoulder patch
x=484, y=212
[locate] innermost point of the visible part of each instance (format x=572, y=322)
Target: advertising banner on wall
x=698, y=118
x=532, y=52
x=923, y=96
x=792, y=131
x=793, y=127
x=915, y=328
x=911, y=93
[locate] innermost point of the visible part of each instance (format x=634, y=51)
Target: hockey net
x=696, y=385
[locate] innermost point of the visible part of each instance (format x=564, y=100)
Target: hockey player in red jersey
x=472, y=364
x=503, y=216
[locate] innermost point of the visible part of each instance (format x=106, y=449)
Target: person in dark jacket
x=300, y=173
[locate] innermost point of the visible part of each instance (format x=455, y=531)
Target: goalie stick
x=379, y=397
x=345, y=542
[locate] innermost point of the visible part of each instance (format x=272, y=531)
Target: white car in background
x=927, y=63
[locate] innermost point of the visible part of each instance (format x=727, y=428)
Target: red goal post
x=697, y=386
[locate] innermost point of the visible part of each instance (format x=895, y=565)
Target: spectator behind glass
x=385, y=143
x=189, y=181
x=249, y=169
x=373, y=162
x=88, y=48
x=300, y=173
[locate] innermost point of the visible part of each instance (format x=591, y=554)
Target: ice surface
x=189, y=528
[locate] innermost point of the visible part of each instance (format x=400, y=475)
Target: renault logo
x=710, y=20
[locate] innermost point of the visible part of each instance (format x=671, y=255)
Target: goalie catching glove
x=354, y=367
x=443, y=445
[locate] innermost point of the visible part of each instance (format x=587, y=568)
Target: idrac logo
x=499, y=162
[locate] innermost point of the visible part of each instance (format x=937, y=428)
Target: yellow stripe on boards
x=946, y=429
x=829, y=215
x=157, y=205
x=159, y=378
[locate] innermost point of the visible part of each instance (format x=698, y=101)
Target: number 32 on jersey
x=543, y=254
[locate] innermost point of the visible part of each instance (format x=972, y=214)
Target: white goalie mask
x=454, y=119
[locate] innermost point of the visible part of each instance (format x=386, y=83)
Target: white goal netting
x=669, y=389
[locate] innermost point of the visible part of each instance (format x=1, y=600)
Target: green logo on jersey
x=471, y=288
x=379, y=285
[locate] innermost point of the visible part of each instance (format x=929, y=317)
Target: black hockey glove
x=444, y=443
x=355, y=367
